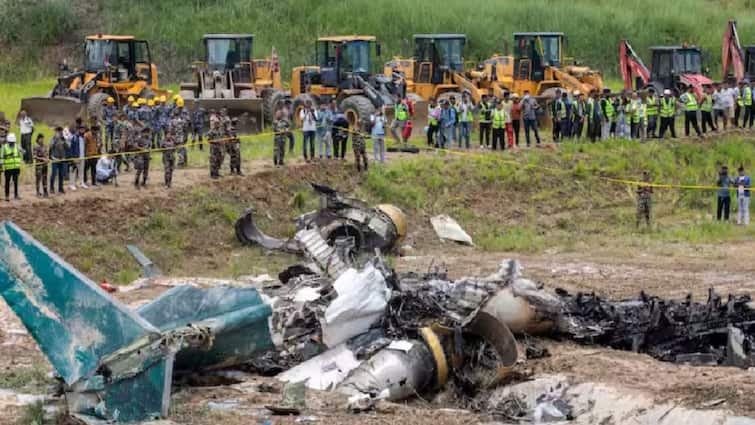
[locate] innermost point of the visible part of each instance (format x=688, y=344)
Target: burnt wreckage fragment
x=346, y=223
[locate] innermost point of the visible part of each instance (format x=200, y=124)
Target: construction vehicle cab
x=671, y=62
x=227, y=77
x=344, y=72
x=749, y=52
x=534, y=52
x=115, y=66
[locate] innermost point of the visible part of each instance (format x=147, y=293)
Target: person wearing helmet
x=154, y=122
x=145, y=112
x=11, y=158
x=667, y=113
x=107, y=120
x=128, y=104
x=133, y=112
x=183, y=113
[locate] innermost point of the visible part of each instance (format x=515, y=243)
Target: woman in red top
x=516, y=116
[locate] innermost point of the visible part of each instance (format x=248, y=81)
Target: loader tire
x=299, y=105
x=94, y=106
x=271, y=102
x=357, y=107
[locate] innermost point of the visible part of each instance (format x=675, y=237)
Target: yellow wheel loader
x=344, y=72
x=114, y=65
x=228, y=77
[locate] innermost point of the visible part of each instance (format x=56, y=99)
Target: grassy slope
x=594, y=27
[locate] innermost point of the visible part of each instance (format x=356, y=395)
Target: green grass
x=593, y=27
x=32, y=379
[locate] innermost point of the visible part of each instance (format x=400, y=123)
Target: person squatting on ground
x=281, y=130
x=358, y=144
x=644, y=200
x=41, y=164
x=11, y=164
x=217, y=151
x=142, y=158
x=106, y=170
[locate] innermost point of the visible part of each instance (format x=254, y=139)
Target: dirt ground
x=612, y=272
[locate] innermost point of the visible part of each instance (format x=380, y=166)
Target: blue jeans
x=58, y=169
x=323, y=138
x=465, y=128
x=531, y=124
x=448, y=136
x=378, y=147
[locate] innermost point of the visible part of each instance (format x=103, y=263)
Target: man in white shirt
x=105, y=170
x=27, y=128
x=308, y=117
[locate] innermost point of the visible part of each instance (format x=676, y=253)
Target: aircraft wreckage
x=361, y=330
x=346, y=222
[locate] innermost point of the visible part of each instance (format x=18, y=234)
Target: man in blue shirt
x=743, y=184
x=447, y=124
x=724, y=196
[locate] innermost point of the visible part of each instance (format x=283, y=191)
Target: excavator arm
x=570, y=82
x=731, y=53
x=631, y=64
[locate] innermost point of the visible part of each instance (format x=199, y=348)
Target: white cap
x=577, y=93
x=667, y=91
x=11, y=138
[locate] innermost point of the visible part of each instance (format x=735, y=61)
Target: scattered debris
x=294, y=399
x=448, y=229
x=380, y=228
x=149, y=269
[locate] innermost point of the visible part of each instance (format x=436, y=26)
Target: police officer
x=197, y=127
x=169, y=158
x=142, y=158
x=233, y=147
x=107, y=121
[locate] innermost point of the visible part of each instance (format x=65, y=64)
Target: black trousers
x=26, y=146
x=737, y=114
x=690, y=118
x=498, y=137
x=707, y=118
x=516, y=125
x=431, y=130
x=485, y=138
x=746, y=115
x=652, y=126
x=11, y=175
x=752, y=116
x=556, y=130
x=339, y=146
x=90, y=167
x=308, y=139
x=723, y=207
x=667, y=123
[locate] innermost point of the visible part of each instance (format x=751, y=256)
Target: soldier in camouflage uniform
x=141, y=158
x=154, y=125
x=359, y=145
x=133, y=112
x=108, y=120
x=233, y=147
x=176, y=127
x=644, y=201
x=169, y=157
x=225, y=121
x=165, y=110
x=121, y=135
x=181, y=142
x=281, y=128
x=197, y=127
x=215, y=137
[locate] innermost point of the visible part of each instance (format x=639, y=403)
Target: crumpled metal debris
x=448, y=229
x=381, y=227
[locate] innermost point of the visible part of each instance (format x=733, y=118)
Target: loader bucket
x=248, y=111
x=53, y=111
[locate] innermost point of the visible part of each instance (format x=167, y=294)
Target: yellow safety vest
x=668, y=107
x=690, y=102
x=748, y=96
x=499, y=118
x=707, y=104
x=651, y=106
x=401, y=113
x=11, y=158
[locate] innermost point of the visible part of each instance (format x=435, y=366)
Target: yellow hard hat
x=163, y=99
x=110, y=100
x=150, y=102
x=135, y=105
x=180, y=102
x=142, y=101
x=175, y=97
x=131, y=99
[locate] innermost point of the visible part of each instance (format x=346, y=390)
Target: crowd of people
x=90, y=154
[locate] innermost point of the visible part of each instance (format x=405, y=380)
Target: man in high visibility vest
x=608, y=111
x=651, y=111
x=11, y=156
x=746, y=94
x=636, y=116
x=555, y=122
x=690, y=111
x=561, y=116
x=706, y=110
x=578, y=115
x=667, y=112
x=499, y=126
x=400, y=117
